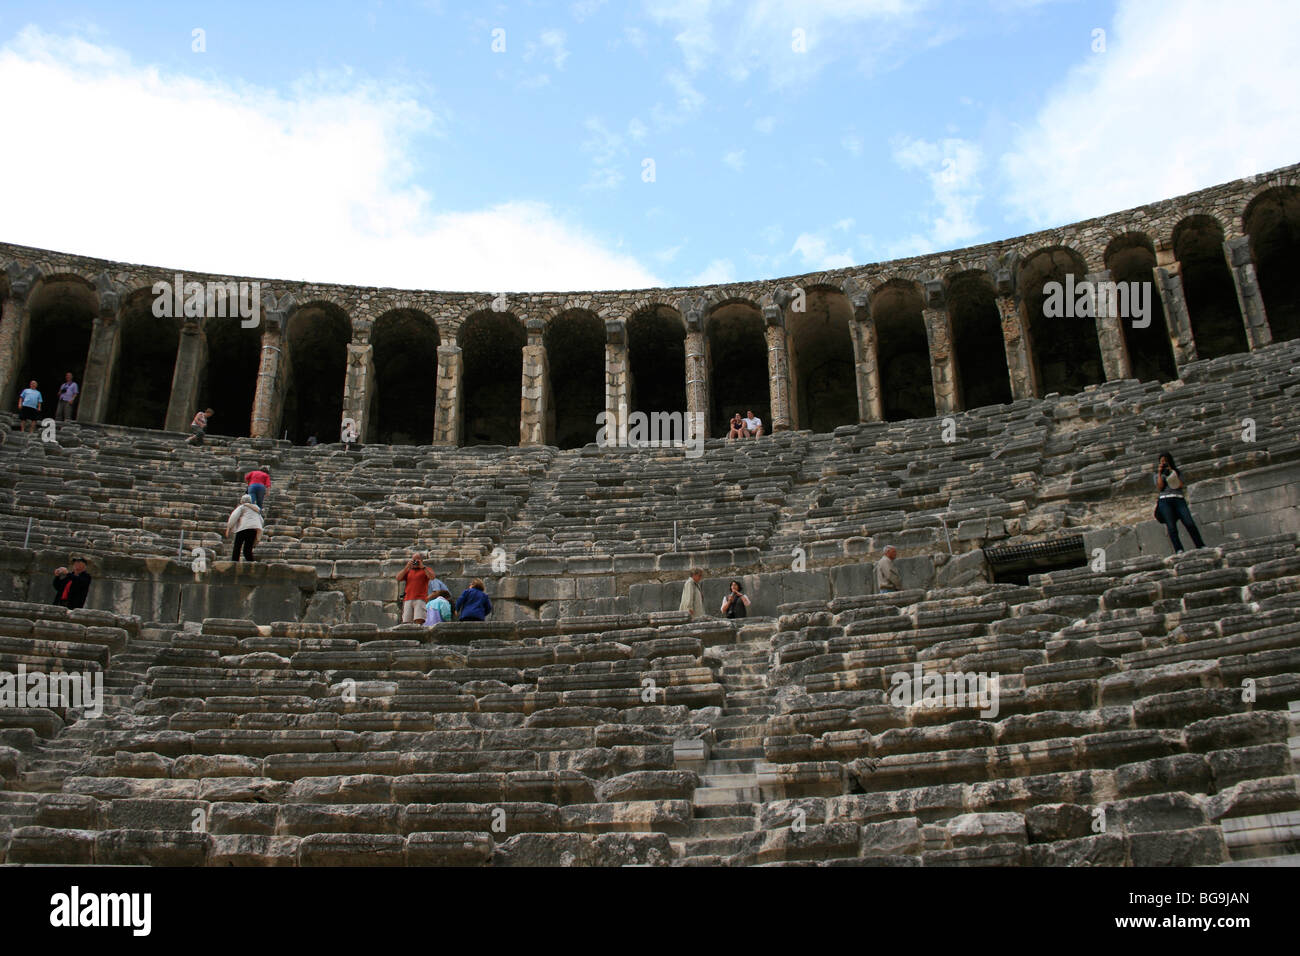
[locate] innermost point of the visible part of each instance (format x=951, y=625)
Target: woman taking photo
x=1171, y=506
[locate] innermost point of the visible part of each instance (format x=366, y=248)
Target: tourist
x=246, y=522
x=887, y=579
x=439, y=608
x=735, y=603
x=417, y=589
x=1171, y=505
x=474, y=604
x=259, y=483
x=311, y=441
x=737, y=427
x=67, y=395
x=692, y=597
x=435, y=585
x=753, y=425
x=70, y=589
x=199, y=427
x=29, y=406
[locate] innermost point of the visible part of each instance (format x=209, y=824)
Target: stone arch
x=1130, y=258
x=316, y=338
x=404, y=343
x=492, y=349
x=1211, y=295
x=736, y=353
x=228, y=382
x=575, y=360
x=146, y=362
x=902, y=350
x=1065, y=348
x=978, y=348
x=61, y=310
x=823, y=379
x=656, y=353
x=1272, y=221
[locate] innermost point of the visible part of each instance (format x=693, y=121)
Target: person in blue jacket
x=473, y=604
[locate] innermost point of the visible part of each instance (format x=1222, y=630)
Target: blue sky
x=388, y=143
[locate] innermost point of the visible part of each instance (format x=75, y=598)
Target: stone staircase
x=725, y=802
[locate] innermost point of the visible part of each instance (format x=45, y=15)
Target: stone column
x=358, y=386
x=1015, y=336
x=778, y=369
x=14, y=323
x=866, y=359
x=447, y=413
x=618, y=380
x=535, y=398
x=268, y=400
x=1242, y=266
x=698, y=393
x=1110, y=336
x=1178, y=320
x=191, y=355
x=101, y=360
x=943, y=361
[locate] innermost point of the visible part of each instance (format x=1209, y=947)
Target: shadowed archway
x=656, y=347
x=1065, y=347
x=821, y=361
x=492, y=348
x=316, y=349
x=903, y=351
x=978, y=346
x=738, y=378
x=228, y=383
x=1212, y=305
x=404, y=344
x=1131, y=261
x=1272, y=221
x=575, y=358
x=146, y=363
x=62, y=312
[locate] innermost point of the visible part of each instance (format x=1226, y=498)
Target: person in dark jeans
x=70, y=589
x=1171, y=506
x=246, y=523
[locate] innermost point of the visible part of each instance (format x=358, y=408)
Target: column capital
x=936, y=293
x=1238, y=250
x=21, y=280
x=616, y=331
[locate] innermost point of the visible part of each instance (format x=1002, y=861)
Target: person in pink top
x=259, y=483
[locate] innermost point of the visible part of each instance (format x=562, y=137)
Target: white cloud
x=735, y=159
x=853, y=143
x=585, y=8
x=316, y=184
x=689, y=101
x=813, y=250
x=550, y=45
x=765, y=124
x=1212, y=100
x=953, y=167
x=717, y=272
x=760, y=34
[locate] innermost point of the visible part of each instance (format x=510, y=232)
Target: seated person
x=474, y=604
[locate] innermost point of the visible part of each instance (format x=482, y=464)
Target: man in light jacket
x=692, y=596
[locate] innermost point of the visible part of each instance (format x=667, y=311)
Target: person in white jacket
x=246, y=523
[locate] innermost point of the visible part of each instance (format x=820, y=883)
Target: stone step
x=705, y=827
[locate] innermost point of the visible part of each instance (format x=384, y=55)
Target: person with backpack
x=439, y=608
x=735, y=603
x=1171, y=505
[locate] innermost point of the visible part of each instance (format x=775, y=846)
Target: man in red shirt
x=259, y=483
x=416, y=577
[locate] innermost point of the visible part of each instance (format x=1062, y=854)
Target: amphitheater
x=275, y=713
